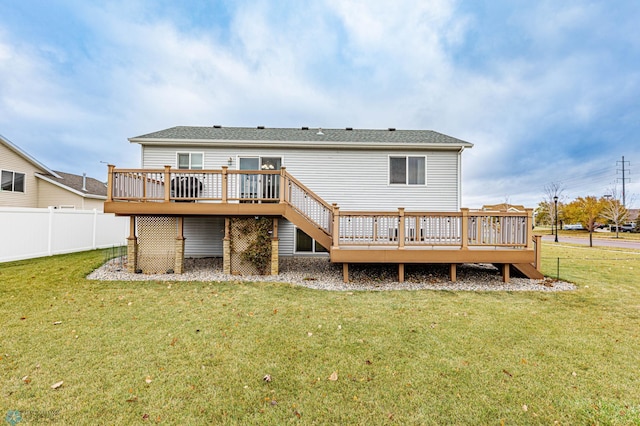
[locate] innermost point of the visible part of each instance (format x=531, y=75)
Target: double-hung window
x=407, y=170
x=12, y=181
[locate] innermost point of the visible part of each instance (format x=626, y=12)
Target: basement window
x=12, y=181
x=307, y=245
x=407, y=170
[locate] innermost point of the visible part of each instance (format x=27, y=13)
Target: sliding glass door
x=260, y=186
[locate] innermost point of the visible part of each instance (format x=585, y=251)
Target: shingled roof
x=92, y=188
x=303, y=135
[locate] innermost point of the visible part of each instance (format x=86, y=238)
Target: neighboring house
x=391, y=196
x=71, y=191
x=28, y=183
x=504, y=207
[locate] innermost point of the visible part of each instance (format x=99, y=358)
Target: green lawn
x=196, y=353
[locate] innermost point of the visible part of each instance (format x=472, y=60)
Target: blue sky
x=547, y=91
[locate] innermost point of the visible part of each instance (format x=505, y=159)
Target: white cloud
x=330, y=63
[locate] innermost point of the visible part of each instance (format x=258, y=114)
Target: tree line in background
x=589, y=211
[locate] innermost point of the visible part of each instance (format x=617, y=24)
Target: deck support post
x=178, y=266
x=167, y=185
x=506, y=269
x=345, y=272
x=274, y=248
x=401, y=272
x=226, y=248
x=132, y=246
x=452, y=272
x=225, y=183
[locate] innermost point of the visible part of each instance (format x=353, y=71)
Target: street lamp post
x=555, y=201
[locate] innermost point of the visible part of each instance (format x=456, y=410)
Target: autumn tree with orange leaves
x=587, y=211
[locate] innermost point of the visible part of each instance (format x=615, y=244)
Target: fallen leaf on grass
x=133, y=399
x=57, y=385
x=174, y=341
x=26, y=380
x=507, y=373
x=334, y=376
x=57, y=323
x=148, y=380
x=524, y=407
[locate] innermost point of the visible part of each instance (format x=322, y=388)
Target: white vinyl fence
x=26, y=233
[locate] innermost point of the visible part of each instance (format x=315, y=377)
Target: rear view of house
x=355, y=195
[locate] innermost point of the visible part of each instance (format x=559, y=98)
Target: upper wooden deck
x=466, y=236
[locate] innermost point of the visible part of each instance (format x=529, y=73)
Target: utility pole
x=623, y=179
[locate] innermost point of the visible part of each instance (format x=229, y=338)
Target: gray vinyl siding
x=355, y=179
x=203, y=236
x=286, y=237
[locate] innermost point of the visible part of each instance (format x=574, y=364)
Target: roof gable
x=13, y=147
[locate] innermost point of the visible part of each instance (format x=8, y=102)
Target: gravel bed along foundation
x=319, y=273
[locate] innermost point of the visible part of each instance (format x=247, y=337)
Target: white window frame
x=13, y=181
x=406, y=157
x=190, y=154
x=313, y=251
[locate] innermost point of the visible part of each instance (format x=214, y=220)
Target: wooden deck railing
x=399, y=229
x=433, y=229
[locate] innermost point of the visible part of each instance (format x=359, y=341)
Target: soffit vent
x=349, y=128
x=392, y=129
x=217, y=126
x=304, y=128
x=260, y=127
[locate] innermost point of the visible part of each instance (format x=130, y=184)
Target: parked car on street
x=627, y=227
x=573, y=227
